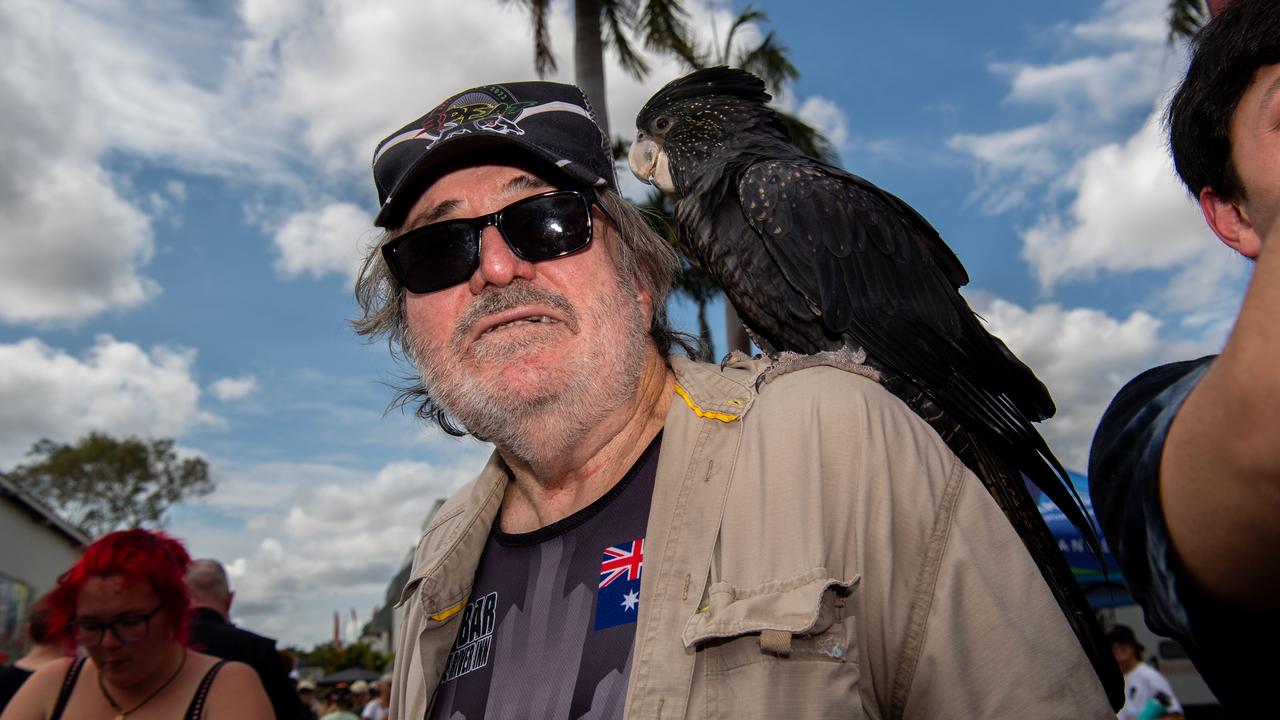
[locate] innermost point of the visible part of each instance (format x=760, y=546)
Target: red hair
x=139, y=556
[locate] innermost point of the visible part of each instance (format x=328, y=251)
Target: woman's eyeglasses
x=542, y=227
x=127, y=628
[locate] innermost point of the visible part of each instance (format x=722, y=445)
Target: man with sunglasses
x=655, y=537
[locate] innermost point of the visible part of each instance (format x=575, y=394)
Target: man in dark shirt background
x=213, y=633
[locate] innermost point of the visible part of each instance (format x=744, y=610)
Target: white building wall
x=31, y=551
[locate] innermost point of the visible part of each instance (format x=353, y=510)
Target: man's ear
x=1229, y=220
x=231, y=596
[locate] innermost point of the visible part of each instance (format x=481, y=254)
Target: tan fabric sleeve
x=995, y=644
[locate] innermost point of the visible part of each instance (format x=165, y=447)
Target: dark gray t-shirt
x=551, y=622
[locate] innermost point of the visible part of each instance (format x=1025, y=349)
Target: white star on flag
x=630, y=600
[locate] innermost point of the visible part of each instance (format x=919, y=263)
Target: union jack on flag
x=618, y=597
x=625, y=559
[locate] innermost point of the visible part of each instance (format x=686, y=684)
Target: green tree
x=600, y=24
x=333, y=659
x=102, y=484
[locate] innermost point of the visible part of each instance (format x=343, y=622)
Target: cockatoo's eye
x=662, y=123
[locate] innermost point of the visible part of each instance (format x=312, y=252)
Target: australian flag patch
x=618, y=598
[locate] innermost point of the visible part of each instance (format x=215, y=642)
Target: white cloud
x=1131, y=213
x=826, y=116
x=228, y=389
x=1121, y=64
x=73, y=246
x=311, y=527
x=1084, y=356
x=285, y=94
x=1010, y=163
x=1126, y=21
x=116, y=387
x=109, y=78
x=1103, y=85
x=332, y=238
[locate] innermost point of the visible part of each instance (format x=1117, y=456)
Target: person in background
x=45, y=647
x=125, y=602
x=213, y=633
x=339, y=705
x=307, y=694
x=359, y=694
x=378, y=706
x=1184, y=470
x=1147, y=694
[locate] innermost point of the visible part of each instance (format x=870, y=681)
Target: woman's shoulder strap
x=196, y=709
x=68, y=684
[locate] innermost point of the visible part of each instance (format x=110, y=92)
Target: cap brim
x=451, y=152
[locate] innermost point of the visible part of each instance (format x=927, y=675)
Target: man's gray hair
x=207, y=580
x=642, y=255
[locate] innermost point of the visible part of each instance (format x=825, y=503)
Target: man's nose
x=499, y=265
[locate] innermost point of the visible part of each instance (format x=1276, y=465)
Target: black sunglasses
x=541, y=227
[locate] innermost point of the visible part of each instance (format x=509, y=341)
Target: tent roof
x=349, y=675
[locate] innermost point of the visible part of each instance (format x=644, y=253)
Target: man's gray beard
x=540, y=428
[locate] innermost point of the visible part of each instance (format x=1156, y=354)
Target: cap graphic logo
x=482, y=110
x=491, y=109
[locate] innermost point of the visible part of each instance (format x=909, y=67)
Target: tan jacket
x=813, y=551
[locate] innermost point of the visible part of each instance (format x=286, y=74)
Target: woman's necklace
x=125, y=713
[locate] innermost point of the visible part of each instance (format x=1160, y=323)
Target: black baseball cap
x=552, y=121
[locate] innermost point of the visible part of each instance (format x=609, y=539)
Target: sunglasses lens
x=445, y=254
x=547, y=227
x=436, y=256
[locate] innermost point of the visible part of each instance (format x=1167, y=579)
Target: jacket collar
x=714, y=393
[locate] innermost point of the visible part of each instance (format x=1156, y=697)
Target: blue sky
x=184, y=194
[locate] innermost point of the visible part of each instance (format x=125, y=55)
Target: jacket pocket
x=781, y=649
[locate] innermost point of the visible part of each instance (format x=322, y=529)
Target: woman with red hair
x=126, y=604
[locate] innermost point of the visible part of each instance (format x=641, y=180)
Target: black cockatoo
x=817, y=260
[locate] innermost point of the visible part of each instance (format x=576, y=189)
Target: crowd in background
x=150, y=628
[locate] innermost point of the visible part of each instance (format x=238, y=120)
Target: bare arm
x=1220, y=470
x=35, y=699
x=237, y=694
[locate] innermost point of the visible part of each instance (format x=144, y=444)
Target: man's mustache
x=495, y=300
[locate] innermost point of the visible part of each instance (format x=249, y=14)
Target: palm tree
x=1186, y=17
x=598, y=24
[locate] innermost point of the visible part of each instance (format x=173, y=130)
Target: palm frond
x=769, y=62
x=749, y=15
x=662, y=24
x=1186, y=17
x=544, y=61
x=618, y=16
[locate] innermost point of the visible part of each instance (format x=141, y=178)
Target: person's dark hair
x=39, y=630
x=141, y=556
x=1123, y=635
x=642, y=255
x=1226, y=54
